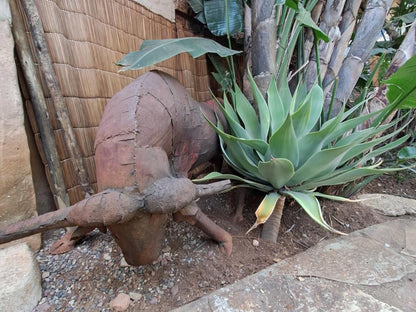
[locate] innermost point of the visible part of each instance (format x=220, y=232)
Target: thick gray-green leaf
x=220, y=176
x=215, y=16
x=311, y=205
x=262, y=108
x=276, y=171
x=307, y=115
x=246, y=113
x=319, y=164
x=154, y=51
x=276, y=107
x=284, y=144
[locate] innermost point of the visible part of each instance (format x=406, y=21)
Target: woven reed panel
x=85, y=38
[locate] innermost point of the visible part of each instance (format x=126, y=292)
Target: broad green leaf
x=216, y=18
x=293, y=4
x=311, y=205
x=196, y=5
x=276, y=171
x=305, y=118
x=220, y=176
x=277, y=109
x=246, y=113
x=262, y=107
x=284, y=144
x=407, y=152
x=265, y=209
x=155, y=51
x=402, y=85
x=319, y=164
x=304, y=18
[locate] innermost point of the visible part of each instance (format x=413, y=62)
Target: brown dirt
x=191, y=265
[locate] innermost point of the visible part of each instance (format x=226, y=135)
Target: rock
x=120, y=303
x=17, y=194
x=20, y=284
x=388, y=205
x=135, y=296
x=123, y=262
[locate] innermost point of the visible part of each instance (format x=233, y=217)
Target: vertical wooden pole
x=39, y=105
x=45, y=63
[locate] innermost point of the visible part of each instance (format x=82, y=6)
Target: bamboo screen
x=85, y=38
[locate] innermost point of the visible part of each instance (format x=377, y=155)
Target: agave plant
x=283, y=148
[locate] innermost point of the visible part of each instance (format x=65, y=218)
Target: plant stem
x=271, y=228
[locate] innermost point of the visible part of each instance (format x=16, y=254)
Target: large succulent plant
x=284, y=149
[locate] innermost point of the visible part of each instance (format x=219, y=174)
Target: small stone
x=153, y=300
x=120, y=303
x=256, y=243
x=135, y=296
x=174, y=290
x=107, y=257
x=123, y=262
x=45, y=274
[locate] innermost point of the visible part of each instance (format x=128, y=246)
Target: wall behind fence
x=85, y=39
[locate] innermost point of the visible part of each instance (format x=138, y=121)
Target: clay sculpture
x=152, y=133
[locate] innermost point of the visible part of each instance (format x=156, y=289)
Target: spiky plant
x=285, y=150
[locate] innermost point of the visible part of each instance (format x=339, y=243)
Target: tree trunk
x=366, y=35
x=329, y=25
x=348, y=21
x=271, y=228
x=263, y=49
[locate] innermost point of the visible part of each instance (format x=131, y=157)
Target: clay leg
x=194, y=216
x=72, y=236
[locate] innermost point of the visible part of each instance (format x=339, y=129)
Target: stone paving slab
x=369, y=270
x=389, y=205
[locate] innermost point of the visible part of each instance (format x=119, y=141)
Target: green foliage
x=155, y=51
x=212, y=13
x=288, y=151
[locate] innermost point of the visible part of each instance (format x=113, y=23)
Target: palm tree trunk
x=366, y=36
x=329, y=25
x=263, y=51
x=349, y=17
x=271, y=228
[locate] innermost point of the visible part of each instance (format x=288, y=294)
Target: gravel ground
x=90, y=276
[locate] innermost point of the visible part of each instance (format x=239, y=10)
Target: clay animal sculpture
x=152, y=133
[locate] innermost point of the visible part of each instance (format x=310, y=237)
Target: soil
x=190, y=265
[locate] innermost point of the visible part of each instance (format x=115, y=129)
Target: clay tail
x=52, y=220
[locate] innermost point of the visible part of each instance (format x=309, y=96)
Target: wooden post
x=45, y=64
x=39, y=105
